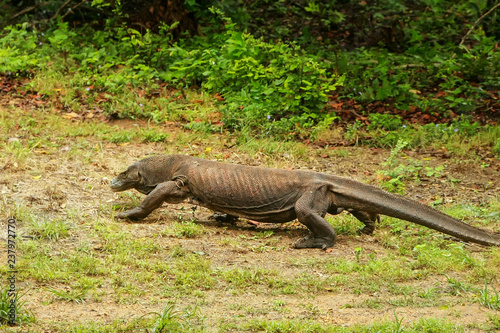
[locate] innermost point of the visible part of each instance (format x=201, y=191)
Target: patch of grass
x=412, y=301
x=456, y=287
x=123, y=246
x=480, y=216
x=312, y=310
x=39, y=267
x=48, y=229
x=126, y=290
x=280, y=306
x=430, y=293
x=76, y=295
x=249, y=144
x=429, y=325
x=383, y=268
x=178, y=251
x=87, y=264
x=22, y=316
x=399, y=168
x=122, y=136
x=460, y=138
x=489, y=298
x=313, y=283
x=494, y=321
x=282, y=286
x=17, y=210
x=152, y=135
x=369, y=304
x=243, y=278
x=171, y=320
x=264, y=234
x=118, y=325
x=18, y=152
x=345, y=224
x=188, y=229
x=258, y=325
x=442, y=259
x=190, y=273
x=398, y=289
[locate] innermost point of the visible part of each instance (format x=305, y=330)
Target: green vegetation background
x=289, y=69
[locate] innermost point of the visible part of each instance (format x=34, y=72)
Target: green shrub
x=263, y=84
x=18, y=50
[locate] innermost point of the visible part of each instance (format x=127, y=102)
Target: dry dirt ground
x=53, y=179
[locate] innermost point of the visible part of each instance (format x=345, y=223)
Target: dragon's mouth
x=117, y=186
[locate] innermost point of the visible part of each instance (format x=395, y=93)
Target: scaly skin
x=278, y=196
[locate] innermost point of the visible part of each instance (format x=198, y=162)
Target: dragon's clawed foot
x=132, y=214
x=223, y=218
x=311, y=242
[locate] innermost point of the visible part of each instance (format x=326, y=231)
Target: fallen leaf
x=71, y=116
x=218, y=97
x=336, y=105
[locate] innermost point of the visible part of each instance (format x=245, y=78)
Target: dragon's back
x=253, y=192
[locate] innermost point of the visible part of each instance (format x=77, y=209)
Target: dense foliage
x=432, y=56
x=280, y=67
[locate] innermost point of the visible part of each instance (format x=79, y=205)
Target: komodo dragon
x=278, y=196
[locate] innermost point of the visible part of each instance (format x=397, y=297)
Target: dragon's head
x=130, y=178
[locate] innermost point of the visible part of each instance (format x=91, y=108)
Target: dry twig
x=475, y=23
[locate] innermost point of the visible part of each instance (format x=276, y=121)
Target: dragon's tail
x=352, y=194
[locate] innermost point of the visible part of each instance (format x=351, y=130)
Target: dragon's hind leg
x=311, y=209
x=369, y=220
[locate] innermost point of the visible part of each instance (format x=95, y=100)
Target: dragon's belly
x=259, y=215
x=255, y=193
